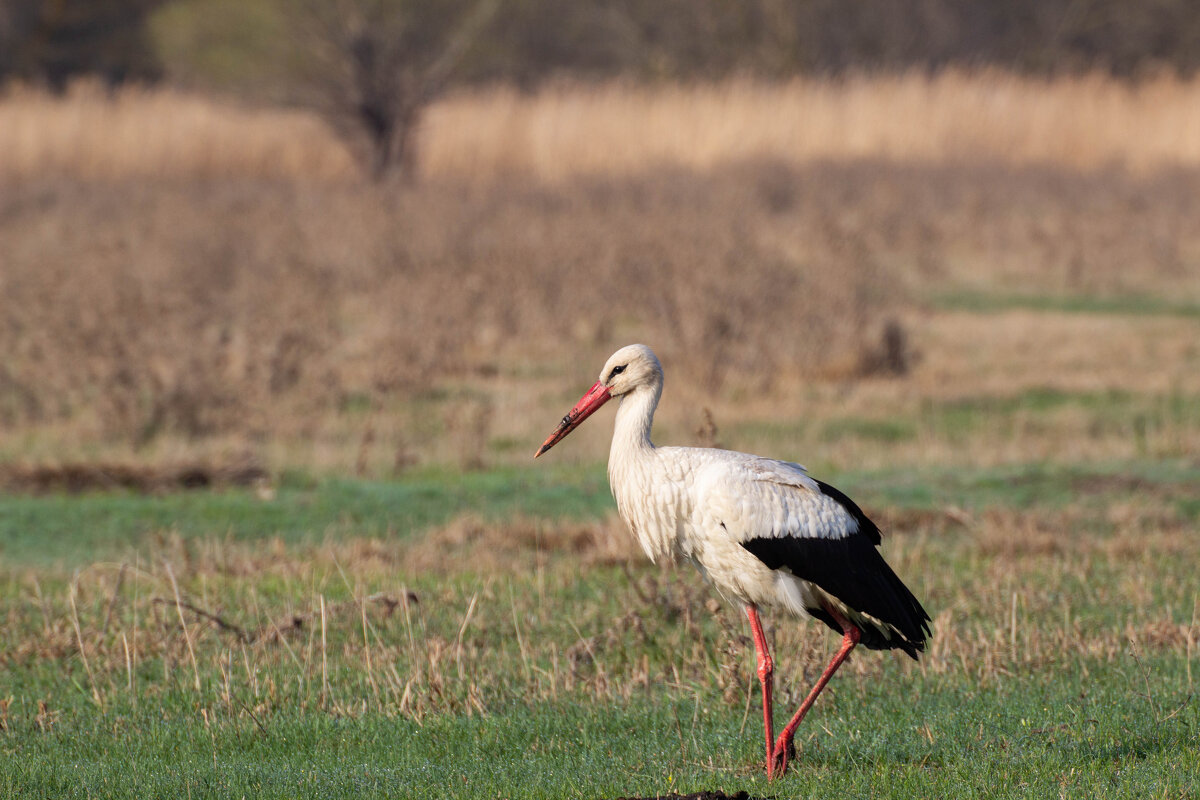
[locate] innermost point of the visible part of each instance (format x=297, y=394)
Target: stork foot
x=782, y=753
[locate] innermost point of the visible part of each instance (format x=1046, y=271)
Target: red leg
x=850, y=638
x=766, y=669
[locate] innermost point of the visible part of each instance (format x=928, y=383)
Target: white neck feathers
x=635, y=415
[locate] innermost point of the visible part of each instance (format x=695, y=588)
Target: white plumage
x=763, y=532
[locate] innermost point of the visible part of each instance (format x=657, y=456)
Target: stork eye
x=617, y=371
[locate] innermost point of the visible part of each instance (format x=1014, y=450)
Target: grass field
x=367, y=645
x=396, y=601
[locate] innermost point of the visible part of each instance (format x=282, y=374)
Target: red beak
x=596, y=396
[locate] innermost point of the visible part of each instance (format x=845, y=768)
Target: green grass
x=1035, y=412
x=1042, y=733
x=1124, y=304
x=1148, y=424
x=1029, y=486
x=73, y=529
x=877, y=430
x=549, y=672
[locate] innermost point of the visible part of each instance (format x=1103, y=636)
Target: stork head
x=631, y=367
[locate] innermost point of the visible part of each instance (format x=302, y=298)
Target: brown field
x=344, y=325
x=185, y=279
x=564, y=132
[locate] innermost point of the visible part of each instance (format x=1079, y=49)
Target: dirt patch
x=1114, y=484
x=512, y=544
x=916, y=520
x=85, y=477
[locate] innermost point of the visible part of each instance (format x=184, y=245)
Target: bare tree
x=52, y=43
x=378, y=64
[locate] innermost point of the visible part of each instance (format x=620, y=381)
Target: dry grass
x=149, y=133
x=138, y=310
x=563, y=132
x=385, y=626
x=185, y=279
x=367, y=329
x=1126, y=387
x=1080, y=352
x=1078, y=123
x=516, y=547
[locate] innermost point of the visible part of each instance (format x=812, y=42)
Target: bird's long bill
x=596, y=396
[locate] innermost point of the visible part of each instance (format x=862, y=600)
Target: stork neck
x=631, y=434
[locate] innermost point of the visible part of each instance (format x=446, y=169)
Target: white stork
x=763, y=532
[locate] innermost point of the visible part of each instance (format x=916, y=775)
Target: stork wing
x=823, y=510
x=795, y=523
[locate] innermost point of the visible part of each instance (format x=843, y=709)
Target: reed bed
x=564, y=131
x=137, y=132
x=1079, y=123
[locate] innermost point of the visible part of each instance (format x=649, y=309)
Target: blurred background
x=372, y=236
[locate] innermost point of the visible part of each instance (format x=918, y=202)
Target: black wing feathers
x=865, y=525
x=852, y=570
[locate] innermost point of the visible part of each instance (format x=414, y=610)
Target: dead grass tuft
x=470, y=543
x=1012, y=535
